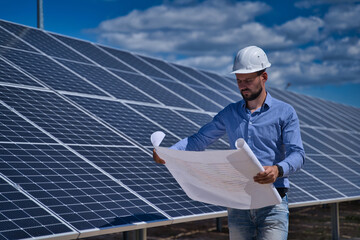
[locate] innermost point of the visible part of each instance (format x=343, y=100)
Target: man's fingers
x=156, y=158
x=269, y=175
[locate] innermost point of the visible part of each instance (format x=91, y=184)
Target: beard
x=252, y=96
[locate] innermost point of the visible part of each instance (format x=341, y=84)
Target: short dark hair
x=260, y=72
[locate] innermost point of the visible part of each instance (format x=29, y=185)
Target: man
x=271, y=129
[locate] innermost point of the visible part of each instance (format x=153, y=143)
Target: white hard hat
x=250, y=59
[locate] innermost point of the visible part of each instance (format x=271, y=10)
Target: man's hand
x=156, y=157
x=268, y=176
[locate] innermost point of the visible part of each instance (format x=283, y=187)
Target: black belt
x=282, y=191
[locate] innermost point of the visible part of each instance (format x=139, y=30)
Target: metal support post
x=40, y=14
x=335, y=223
x=126, y=236
x=141, y=234
x=218, y=225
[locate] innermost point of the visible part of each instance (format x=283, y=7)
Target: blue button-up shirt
x=272, y=133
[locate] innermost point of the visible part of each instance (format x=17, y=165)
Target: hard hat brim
x=244, y=71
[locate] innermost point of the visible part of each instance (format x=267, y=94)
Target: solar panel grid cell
x=21, y=218
x=168, y=69
x=229, y=82
x=308, y=114
x=9, y=40
x=191, y=95
x=333, y=179
x=315, y=114
x=342, y=166
x=135, y=62
x=168, y=119
x=339, y=110
x=351, y=119
x=232, y=95
x=9, y=74
x=15, y=129
x=347, y=139
x=206, y=81
x=123, y=119
x=109, y=83
x=297, y=195
x=59, y=117
x=187, y=81
x=157, y=91
x=44, y=42
x=313, y=139
x=311, y=185
x=341, y=148
x=93, y=53
x=49, y=72
x=326, y=112
x=84, y=212
x=201, y=119
x=151, y=181
x=220, y=99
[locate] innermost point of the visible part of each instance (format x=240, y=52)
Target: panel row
x=22, y=218
x=189, y=88
x=83, y=151
x=72, y=188
x=56, y=115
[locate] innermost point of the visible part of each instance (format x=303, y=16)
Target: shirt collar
x=268, y=100
x=267, y=104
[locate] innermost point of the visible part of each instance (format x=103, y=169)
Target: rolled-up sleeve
x=206, y=135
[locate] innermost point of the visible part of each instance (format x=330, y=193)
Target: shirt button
x=249, y=136
x=250, y=123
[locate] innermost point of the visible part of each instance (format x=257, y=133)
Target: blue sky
x=313, y=45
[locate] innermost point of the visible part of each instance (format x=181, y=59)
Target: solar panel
x=200, y=100
x=206, y=81
x=58, y=117
x=135, y=62
x=319, y=191
x=168, y=119
x=49, y=72
x=13, y=128
x=21, y=217
x=9, y=40
x=114, y=86
x=71, y=187
x=154, y=89
x=43, y=42
x=122, y=117
x=75, y=122
x=153, y=182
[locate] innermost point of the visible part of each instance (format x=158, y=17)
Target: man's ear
x=264, y=76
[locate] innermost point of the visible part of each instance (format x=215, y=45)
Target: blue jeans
x=270, y=223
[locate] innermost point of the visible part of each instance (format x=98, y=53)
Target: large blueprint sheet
x=220, y=177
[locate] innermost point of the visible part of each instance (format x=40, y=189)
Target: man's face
x=250, y=85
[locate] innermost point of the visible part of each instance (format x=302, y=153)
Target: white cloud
x=311, y=3
x=206, y=34
x=220, y=64
x=291, y=56
x=302, y=30
x=332, y=61
x=207, y=15
x=142, y=41
x=185, y=30
x=343, y=18
x=343, y=49
x=354, y=50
